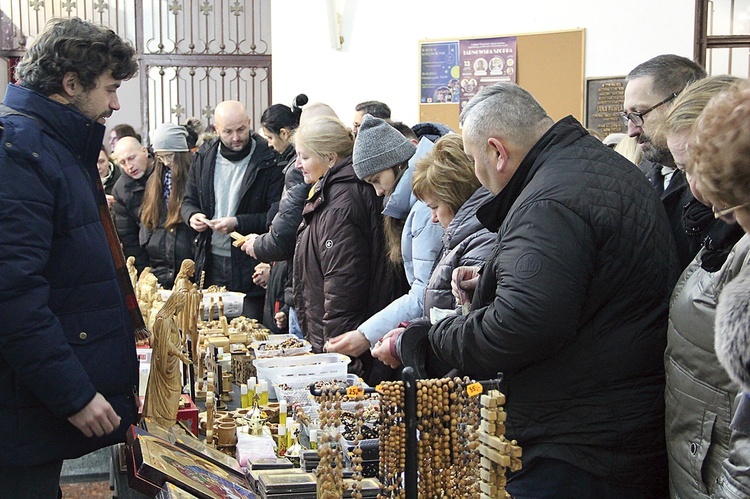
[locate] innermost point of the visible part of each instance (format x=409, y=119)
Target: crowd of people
x=611, y=298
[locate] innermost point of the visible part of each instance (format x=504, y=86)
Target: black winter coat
x=126, y=212
x=167, y=248
x=261, y=188
x=676, y=198
x=572, y=306
x=66, y=333
x=278, y=243
x=341, y=272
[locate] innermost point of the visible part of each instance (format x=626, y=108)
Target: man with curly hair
x=68, y=369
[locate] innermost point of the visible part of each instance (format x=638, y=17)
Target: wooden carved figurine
x=164, y=382
x=188, y=318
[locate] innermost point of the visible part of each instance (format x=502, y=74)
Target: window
x=722, y=36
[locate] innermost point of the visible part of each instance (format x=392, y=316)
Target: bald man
x=133, y=159
x=233, y=182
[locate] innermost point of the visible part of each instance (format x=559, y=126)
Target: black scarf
x=715, y=237
x=235, y=156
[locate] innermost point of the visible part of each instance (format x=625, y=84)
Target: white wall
x=379, y=59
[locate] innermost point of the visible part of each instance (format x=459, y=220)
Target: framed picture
x=184, y=439
x=172, y=491
x=158, y=462
x=604, y=97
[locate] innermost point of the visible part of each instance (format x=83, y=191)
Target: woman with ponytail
x=276, y=247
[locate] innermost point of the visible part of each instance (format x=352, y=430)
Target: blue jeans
x=294, y=324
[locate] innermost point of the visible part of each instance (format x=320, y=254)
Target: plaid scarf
x=167, y=184
x=115, y=248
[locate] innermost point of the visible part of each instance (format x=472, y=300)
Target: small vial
x=243, y=395
x=281, y=440
x=313, y=439
x=282, y=412
x=251, y=389
x=263, y=395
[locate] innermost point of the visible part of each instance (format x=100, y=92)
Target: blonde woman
x=341, y=270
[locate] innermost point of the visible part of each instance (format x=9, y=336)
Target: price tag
x=474, y=389
x=379, y=388
x=354, y=392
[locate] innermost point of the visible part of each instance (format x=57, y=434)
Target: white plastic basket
x=299, y=392
x=301, y=370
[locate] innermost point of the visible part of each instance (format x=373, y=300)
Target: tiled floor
x=86, y=490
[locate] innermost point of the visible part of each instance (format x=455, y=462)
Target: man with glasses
x=651, y=88
x=372, y=107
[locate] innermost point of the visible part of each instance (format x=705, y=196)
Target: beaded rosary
x=447, y=424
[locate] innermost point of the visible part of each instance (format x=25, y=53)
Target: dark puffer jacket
x=66, y=333
x=465, y=242
x=341, y=272
x=260, y=189
x=167, y=248
x=126, y=212
x=278, y=243
x=572, y=306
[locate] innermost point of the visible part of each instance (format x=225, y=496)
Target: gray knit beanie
x=169, y=137
x=378, y=147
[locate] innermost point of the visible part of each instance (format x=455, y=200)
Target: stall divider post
x=410, y=415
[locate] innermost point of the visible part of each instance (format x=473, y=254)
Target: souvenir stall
x=273, y=420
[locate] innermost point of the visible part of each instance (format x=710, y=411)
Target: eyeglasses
x=728, y=213
x=165, y=158
x=637, y=117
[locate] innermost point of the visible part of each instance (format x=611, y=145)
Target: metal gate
x=193, y=53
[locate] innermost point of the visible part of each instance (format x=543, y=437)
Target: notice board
x=549, y=65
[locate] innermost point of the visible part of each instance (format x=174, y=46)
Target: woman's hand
x=352, y=343
x=260, y=276
x=248, y=245
x=383, y=349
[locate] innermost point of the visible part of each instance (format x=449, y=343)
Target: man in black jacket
x=651, y=88
x=571, y=304
x=233, y=183
x=132, y=157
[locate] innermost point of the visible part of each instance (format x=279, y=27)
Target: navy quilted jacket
x=65, y=333
x=572, y=306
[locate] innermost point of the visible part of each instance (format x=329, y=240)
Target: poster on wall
x=440, y=71
x=486, y=61
x=604, y=98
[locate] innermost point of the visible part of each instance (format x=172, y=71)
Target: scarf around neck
x=235, y=156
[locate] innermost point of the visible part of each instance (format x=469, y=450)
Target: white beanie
x=169, y=137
